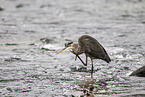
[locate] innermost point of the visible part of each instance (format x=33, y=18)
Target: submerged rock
x=139, y=72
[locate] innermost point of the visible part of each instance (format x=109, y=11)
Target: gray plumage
x=92, y=48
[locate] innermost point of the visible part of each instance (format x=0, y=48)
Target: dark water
x=33, y=31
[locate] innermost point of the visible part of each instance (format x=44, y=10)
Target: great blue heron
x=91, y=47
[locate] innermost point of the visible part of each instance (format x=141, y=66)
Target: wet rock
x=1, y=9
x=139, y=72
x=143, y=22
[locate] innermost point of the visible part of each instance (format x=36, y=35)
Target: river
x=33, y=31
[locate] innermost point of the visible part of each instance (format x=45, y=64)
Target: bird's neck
x=76, y=49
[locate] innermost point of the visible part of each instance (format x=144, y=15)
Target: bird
x=90, y=47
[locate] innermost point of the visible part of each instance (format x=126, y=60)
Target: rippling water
x=33, y=31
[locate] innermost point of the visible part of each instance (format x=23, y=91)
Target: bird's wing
x=93, y=48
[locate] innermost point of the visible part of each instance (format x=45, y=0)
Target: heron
x=90, y=47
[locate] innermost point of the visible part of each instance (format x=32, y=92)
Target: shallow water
x=33, y=31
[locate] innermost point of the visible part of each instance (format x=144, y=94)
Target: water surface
x=33, y=31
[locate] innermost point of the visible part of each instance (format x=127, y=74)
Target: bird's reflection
x=90, y=87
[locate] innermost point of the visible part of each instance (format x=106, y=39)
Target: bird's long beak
x=66, y=48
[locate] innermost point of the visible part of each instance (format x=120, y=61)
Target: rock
x=139, y=72
x=1, y=9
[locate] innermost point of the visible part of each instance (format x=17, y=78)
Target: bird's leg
x=86, y=60
x=92, y=68
x=76, y=57
x=81, y=60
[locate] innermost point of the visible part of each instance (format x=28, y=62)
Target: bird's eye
x=68, y=44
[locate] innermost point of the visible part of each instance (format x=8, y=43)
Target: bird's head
x=68, y=46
